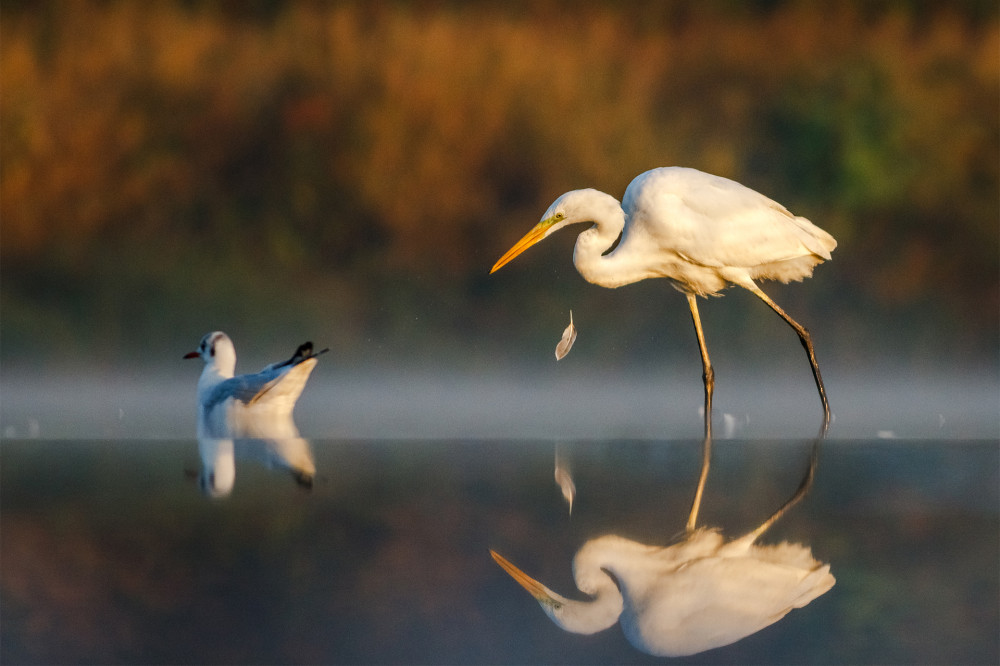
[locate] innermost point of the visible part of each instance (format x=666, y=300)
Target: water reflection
x=268, y=438
x=564, y=477
x=389, y=564
x=218, y=461
x=701, y=593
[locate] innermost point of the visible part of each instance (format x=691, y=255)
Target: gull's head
x=573, y=207
x=216, y=349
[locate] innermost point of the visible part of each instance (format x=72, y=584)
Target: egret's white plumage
x=252, y=405
x=701, y=232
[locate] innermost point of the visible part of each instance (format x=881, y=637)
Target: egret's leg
x=804, y=486
x=807, y=343
x=708, y=374
x=706, y=459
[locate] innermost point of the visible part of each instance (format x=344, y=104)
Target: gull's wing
x=278, y=385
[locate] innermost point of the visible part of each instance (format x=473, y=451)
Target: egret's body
x=701, y=232
x=702, y=593
x=252, y=405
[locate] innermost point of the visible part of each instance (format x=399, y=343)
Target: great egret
x=241, y=406
x=702, y=232
x=699, y=594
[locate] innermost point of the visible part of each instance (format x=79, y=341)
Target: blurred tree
x=207, y=157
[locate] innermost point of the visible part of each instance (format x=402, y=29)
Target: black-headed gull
x=254, y=405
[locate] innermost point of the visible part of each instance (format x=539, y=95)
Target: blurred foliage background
x=349, y=172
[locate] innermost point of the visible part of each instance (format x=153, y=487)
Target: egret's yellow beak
x=530, y=238
x=537, y=590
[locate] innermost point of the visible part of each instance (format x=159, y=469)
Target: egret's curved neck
x=596, y=267
x=591, y=568
x=587, y=617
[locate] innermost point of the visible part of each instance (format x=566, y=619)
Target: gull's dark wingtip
x=305, y=352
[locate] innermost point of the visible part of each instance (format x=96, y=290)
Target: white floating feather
x=568, y=338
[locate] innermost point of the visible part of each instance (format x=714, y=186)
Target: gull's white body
x=252, y=405
x=255, y=407
x=683, y=599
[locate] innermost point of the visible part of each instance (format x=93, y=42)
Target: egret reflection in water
x=701, y=593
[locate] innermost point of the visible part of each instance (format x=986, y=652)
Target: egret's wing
x=717, y=222
x=716, y=601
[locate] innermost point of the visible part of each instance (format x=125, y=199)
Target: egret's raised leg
x=807, y=343
x=708, y=375
x=706, y=460
x=800, y=492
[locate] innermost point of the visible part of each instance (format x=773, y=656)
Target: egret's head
x=570, y=208
x=579, y=617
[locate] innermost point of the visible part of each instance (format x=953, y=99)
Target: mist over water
x=417, y=403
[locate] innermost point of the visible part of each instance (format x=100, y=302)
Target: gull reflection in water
x=218, y=460
x=250, y=416
x=701, y=593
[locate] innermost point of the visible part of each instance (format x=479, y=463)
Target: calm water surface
x=111, y=552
